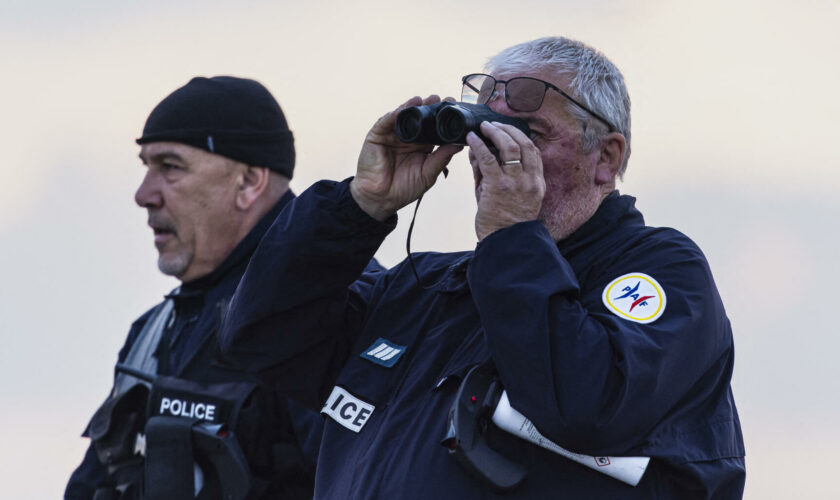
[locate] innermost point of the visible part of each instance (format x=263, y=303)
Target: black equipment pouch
x=220, y=450
x=470, y=417
x=116, y=424
x=169, y=471
x=212, y=403
x=190, y=428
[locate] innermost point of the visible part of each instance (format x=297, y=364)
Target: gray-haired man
x=607, y=334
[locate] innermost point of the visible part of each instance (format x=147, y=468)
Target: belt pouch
x=169, y=464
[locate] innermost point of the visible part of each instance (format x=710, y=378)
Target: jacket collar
x=615, y=210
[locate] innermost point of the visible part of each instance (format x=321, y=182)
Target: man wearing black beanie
x=180, y=423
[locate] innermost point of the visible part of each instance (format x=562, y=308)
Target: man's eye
x=169, y=166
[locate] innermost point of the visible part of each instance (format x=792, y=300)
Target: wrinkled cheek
x=549, y=205
x=557, y=192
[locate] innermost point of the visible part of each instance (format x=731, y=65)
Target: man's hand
x=391, y=174
x=509, y=188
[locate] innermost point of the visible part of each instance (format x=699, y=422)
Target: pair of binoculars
x=449, y=122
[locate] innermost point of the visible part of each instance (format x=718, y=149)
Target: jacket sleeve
x=301, y=302
x=87, y=477
x=588, y=379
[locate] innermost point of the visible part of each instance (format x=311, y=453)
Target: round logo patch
x=635, y=297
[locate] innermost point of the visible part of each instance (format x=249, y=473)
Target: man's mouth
x=162, y=236
x=162, y=229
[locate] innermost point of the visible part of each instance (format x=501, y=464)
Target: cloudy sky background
x=735, y=113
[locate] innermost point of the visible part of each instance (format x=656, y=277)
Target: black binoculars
x=449, y=122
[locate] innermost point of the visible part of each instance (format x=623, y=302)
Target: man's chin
x=173, y=265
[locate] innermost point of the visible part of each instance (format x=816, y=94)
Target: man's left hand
x=509, y=186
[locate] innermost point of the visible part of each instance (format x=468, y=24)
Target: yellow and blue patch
x=635, y=297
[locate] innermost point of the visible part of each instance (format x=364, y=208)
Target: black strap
x=408, y=251
x=169, y=459
x=469, y=418
x=408, y=241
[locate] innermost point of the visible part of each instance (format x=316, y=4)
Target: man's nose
x=497, y=101
x=148, y=194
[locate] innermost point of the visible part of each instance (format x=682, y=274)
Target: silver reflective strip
x=390, y=355
x=375, y=351
x=141, y=356
x=386, y=352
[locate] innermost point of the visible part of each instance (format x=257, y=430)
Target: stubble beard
x=173, y=265
x=565, y=212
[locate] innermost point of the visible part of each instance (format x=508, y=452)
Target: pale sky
x=735, y=108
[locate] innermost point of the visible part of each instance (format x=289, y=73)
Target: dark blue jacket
x=590, y=379
x=282, y=447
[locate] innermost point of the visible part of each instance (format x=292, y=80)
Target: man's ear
x=611, y=154
x=251, y=184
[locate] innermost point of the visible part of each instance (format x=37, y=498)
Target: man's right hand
x=390, y=173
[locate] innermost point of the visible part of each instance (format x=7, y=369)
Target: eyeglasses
x=523, y=93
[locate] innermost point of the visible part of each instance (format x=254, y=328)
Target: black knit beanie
x=233, y=117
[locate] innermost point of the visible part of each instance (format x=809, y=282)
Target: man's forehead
x=196, y=158
x=168, y=149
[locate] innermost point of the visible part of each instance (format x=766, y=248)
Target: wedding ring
x=513, y=162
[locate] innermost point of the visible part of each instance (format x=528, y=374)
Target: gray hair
x=596, y=83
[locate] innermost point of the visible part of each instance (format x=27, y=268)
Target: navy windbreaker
x=591, y=379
